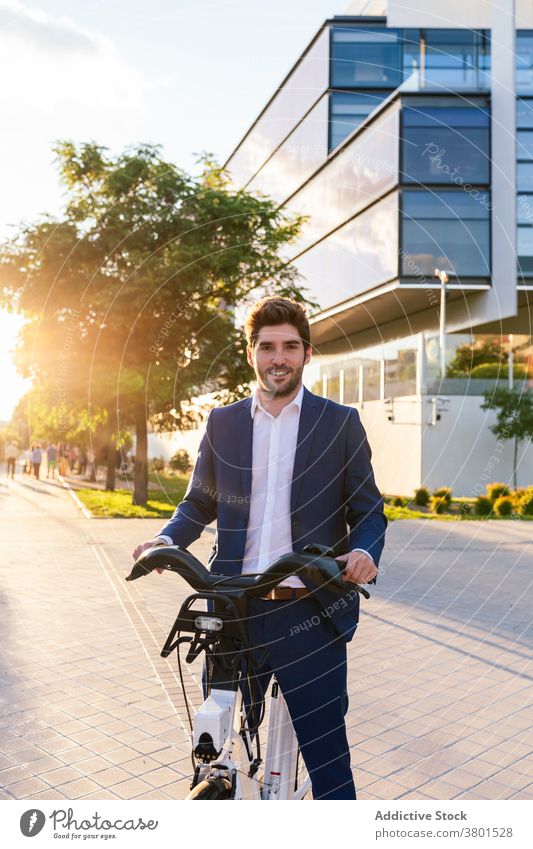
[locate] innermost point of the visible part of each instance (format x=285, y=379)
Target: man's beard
x=294, y=377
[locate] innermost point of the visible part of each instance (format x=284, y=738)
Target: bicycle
x=225, y=733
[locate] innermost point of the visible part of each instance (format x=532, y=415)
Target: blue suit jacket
x=334, y=498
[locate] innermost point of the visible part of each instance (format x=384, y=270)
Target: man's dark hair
x=276, y=310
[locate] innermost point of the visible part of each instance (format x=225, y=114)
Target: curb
x=86, y=512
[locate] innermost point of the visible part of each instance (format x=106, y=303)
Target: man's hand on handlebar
x=360, y=568
x=136, y=553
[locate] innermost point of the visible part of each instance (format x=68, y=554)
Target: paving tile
x=27, y=787
x=109, y=776
x=79, y=788
x=101, y=795
x=15, y=773
x=61, y=775
x=132, y=788
x=159, y=777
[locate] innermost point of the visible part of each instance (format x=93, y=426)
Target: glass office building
x=384, y=138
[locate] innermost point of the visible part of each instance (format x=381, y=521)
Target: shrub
x=483, y=506
x=504, y=505
x=489, y=371
x=397, y=501
x=465, y=507
x=422, y=496
x=525, y=505
x=438, y=504
x=444, y=492
x=158, y=464
x=180, y=461
x=496, y=490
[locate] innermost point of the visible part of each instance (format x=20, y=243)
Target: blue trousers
x=308, y=657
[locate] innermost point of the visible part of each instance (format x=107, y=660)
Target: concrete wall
x=396, y=446
x=460, y=451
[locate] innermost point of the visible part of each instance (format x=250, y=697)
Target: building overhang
x=392, y=304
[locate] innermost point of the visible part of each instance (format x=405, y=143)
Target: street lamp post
x=444, y=278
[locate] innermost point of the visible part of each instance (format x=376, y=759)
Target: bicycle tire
x=211, y=788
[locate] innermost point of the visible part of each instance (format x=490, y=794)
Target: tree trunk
x=515, y=452
x=111, y=466
x=140, y=492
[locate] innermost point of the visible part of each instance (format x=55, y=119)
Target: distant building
x=410, y=148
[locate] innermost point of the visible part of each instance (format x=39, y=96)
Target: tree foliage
x=131, y=297
x=514, y=417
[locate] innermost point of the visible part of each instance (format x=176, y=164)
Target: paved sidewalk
x=439, y=674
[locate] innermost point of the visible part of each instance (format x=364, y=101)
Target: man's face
x=278, y=359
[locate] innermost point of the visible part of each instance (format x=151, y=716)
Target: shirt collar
x=296, y=402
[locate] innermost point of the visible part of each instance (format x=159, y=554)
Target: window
x=524, y=176
x=524, y=62
x=524, y=247
x=371, y=380
x=524, y=145
x=445, y=144
x=365, y=58
x=456, y=58
x=347, y=110
x=446, y=229
x=400, y=374
x=524, y=113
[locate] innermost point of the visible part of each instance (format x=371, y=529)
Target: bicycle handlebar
x=319, y=570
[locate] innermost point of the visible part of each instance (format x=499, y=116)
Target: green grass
x=117, y=505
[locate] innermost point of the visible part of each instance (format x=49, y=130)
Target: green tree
x=131, y=296
x=469, y=356
x=514, y=417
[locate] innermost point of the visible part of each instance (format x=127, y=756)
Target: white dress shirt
x=269, y=533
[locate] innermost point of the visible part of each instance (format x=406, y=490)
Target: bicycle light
x=208, y=623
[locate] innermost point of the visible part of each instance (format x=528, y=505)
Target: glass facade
x=358, y=256
x=296, y=96
x=375, y=60
x=524, y=181
x=366, y=57
x=354, y=178
x=446, y=144
x=524, y=62
x=447, y=229
x=351, y=378
x=302, y=153
x=347, y=110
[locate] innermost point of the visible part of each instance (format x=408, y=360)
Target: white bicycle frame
x=220, y=717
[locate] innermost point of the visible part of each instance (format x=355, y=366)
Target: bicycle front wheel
x=211, y=788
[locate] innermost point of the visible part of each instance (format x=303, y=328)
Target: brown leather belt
x=286, y=594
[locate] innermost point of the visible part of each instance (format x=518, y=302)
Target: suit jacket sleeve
x=364, y=504
x=199, y=506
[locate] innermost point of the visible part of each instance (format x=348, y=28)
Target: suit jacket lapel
x=309, y=417
x=244, y=433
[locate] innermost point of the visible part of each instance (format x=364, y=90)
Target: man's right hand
x=136, y=553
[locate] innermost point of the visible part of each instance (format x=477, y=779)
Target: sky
x=188, y=75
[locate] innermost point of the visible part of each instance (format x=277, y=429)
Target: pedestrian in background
x=51, y=459
x=12, y=453
x=36, y=459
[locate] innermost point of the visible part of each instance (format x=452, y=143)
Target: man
x=36, y=459
x=51, y=460
x=12, y=453
x=278, y=471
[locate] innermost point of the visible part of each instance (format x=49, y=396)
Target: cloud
x=38, y=29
